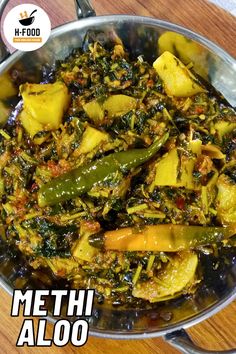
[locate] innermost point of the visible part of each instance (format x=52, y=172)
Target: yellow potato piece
x=90, y=140
x=195, y=146
x=223, y=128
x=83, y=250
x=186, y=50
x=178, y=80
x=115, y=105
x=31, y=125
x=7, y=87
x=213, y=152
x=4, y=112
x=226, y=199
x=167, y=170
x=176, y=42
x=187, y=167
x=173, y=172
x=118, y=105
x=177, y=276
x=94, y=110
x=45, y=103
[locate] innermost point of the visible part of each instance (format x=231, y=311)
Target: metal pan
x=140, y=35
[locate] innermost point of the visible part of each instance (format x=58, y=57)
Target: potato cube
x=188, y=51
x=167, y=170
x=178, y=80
x=94, y=110
x=4, y=112
x=83, y=250
x=223, y=128
x=31, y=125
x=7, y=87
x=45, y=103
x=178, y=274
x=117, y=105
x=90, y=140
x=175, y=172
x=226, y=199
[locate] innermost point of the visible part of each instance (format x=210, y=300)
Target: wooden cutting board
x=217, y=333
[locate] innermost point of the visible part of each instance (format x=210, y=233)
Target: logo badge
x=27, y=27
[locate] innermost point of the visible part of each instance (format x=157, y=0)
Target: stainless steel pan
x=140, y=35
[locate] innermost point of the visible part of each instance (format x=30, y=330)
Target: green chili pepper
x=161, y=238
x=80, y=180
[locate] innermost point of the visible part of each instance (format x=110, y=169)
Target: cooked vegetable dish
x=117, y=174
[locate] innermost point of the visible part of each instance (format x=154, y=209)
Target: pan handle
x=181, y=341
x=83, y=9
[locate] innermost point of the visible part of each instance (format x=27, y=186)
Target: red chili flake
x=61, y=272
x=51, y=164
x=81, y=81
x=199, y=110
x=20, y=205
x=54, y=168
x=180, y=203
x=34, y=187
x=150, y=83
x=93, y=226
x=17, y=151
x=58, y=168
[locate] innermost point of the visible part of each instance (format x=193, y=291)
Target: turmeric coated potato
x=226, y=199
x=178, y=80
x=114, y=105
x=178, y=274
x=43, y=106
x=90, y=140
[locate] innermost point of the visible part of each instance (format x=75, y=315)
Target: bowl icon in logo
x=27, y=20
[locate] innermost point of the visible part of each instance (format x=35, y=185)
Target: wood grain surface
x=217, y=333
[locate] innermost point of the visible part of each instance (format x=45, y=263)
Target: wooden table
x=219, y=332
